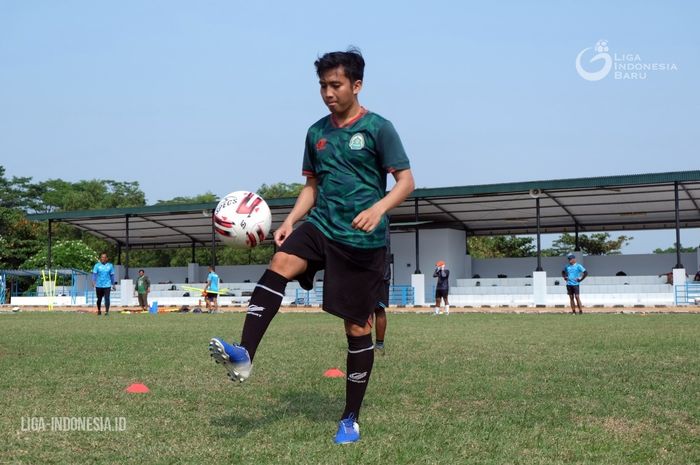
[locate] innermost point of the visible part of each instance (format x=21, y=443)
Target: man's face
x=140, y=273
x=103, y=258
x=572, y=260
x=337, y=91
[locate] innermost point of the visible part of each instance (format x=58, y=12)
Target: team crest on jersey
x=357, y=141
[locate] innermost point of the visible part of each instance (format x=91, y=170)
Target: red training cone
x=333, y=373
x=137, y=388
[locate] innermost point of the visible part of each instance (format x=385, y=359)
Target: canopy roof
x=611, y=203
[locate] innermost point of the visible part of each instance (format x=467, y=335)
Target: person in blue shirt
x=103, y=282
x=574, y=273
x=211, y=290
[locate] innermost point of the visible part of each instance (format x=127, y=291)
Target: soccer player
x=211, y=290
x=442, y=289
x=574, y=273
x=346, y=160
x=383, y=302
x=143, y=287
x=103, y=282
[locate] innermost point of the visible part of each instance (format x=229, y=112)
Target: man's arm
x=369, y=219
x=585, y=273
x=304, y=203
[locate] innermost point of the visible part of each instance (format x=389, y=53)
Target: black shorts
x=383, y=300
x=572, y=290
x=101, y=292
x=441, y=293
x=353, y=278
x=211, y=296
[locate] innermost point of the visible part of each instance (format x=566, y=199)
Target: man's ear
x=357, y=87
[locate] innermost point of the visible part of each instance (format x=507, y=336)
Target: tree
x=672, y=249
x=19, y=238
x=595, y=244
x=64, y=254
x=59, y=195
x=280, y=190
x=201, y=198
x=500, y=246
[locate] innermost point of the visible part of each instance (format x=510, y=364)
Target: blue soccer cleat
x=348, y=431
x=233, y=357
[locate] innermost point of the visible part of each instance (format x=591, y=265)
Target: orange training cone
x=333, y=373
x=137, y=388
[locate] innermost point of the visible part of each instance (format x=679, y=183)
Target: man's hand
x=368, y=220
x=283, y=233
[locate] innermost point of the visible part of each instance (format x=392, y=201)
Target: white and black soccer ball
x=242, y=219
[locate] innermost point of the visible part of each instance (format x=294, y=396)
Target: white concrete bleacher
x=595, y=290
x=174, y=294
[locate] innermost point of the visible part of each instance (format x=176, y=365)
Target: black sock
x=380, y=341
x=263, y=306
x=360, y=361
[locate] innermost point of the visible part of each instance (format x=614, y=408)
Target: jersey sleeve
x=390, y=149
x=307, y=168
x=582, y=268
x=94, y=268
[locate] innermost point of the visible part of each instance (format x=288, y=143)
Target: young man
x=211, y=290
x=143, y=287
x=442, y=289
x=103, y=282
x=347, y=157
x=574, y=273
x=383, y=302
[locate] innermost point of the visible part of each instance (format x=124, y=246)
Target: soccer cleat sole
x=217, y=352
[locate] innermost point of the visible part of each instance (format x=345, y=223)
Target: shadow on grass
x=313, y=405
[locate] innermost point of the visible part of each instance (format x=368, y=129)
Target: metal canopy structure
x=612, y=203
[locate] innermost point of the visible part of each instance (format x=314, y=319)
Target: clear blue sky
x=188, y=97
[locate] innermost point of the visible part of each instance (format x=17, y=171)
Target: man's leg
x=578, y=302
x=99, y=294
x=380, y=325
x=263, y=306
x=447, y=304
x=267, y=298
x=359, y=367
x=572, y=303
x=107, y=292
x=437, y=303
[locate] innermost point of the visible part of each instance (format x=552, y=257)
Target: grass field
x=463, y=389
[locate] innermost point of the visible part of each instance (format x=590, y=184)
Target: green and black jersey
x=350, y=164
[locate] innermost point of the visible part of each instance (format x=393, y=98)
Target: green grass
x=463, y=389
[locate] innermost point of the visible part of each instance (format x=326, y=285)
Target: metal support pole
x=576, y=244
x=678, y=227
x=119, y=253
x=126, y=270
x=213, y=240
x=48, y=257
x=193, y=250
x=539, y=246
x=415, y=204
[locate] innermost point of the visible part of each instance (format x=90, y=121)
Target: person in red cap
x=443, y=287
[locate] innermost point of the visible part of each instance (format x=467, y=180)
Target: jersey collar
x=363, y=112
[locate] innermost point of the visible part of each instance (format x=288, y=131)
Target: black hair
x=103, y=253
x=351, y=60
x=142, y=270
x=213, y=268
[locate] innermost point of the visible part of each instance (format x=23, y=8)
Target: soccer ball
x=242, y=219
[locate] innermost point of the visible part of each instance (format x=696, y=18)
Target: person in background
x=143, y=288
x=442, y=289
x=103, y=282
x=574, y=273
x=211, y=290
